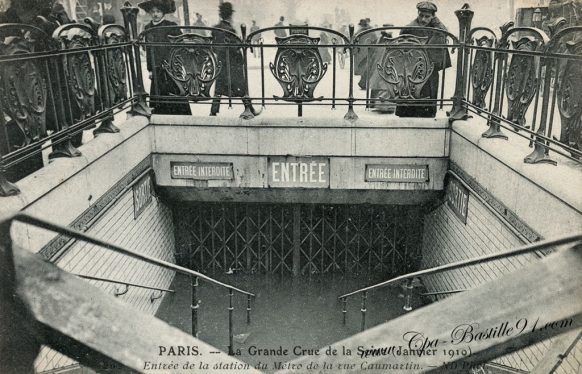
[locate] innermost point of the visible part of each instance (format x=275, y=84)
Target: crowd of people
x=48, y=15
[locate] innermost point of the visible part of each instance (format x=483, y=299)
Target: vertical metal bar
x=212, y=235
x=505, y=67
x=229, y=76
x=262, y=75
x=368, y=78
x=443, y=78
x=536, y=102
x=235, y=236
x=130, y=21
x=364, y=297
x=259, y=237
x=186, y=10
x=334, y=77
x=408, y=297
x=248, y=309
x=248, y=238
x=223, y=239
x=296, y=240
x=194, y=305
x=344, y=310
x=493, y=74
x=49, y=92
x=469, y=75
x=311, y=232
x=322, y=223
x=230, y=324
x=551, y=119
x=351, y=115
x=283, y=227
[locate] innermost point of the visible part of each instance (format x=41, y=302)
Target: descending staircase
x=101, y=332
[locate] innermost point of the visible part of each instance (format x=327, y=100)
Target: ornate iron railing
x=529, y=84
x=55, y=87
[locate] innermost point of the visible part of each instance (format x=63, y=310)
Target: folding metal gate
x=300, y=239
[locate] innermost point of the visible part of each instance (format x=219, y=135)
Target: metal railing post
x=351, y=115
x=230, y=326
x=364, y=297
x=139, y=107
x=194, y=305
x=248, y=309
x=408, y=298
x=459, y=110
x=344, y=310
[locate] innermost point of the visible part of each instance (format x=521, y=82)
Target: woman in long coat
x=162, y=83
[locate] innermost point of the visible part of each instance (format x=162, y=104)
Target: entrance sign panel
x=301, y=172
x=142, y=195
x=396, y=173
x=458, y=199
x=202, y=170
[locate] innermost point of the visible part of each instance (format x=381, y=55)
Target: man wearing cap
x=440, y=58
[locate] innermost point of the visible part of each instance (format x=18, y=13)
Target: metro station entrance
x=298, y=239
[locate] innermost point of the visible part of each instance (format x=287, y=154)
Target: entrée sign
x=306, y=172
x=458, y=199
x=397, y=173
x=201, y=170
x=142, y=194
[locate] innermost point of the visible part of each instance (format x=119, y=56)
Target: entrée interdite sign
x=201, y=170
x=396, y=173
x=302, y=172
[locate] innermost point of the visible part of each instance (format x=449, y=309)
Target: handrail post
x=351, y=115
x=344, y=309
x=194, y=305
x=364, y=297
x=139, y=107
x=247, y=113
x=248, y=309
x=407, y=300
x=230, y=331
x=459, y=110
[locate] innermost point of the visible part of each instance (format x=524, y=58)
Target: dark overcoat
x=162, y=84
x=232, y=61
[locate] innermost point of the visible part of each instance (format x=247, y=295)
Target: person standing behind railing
x=280, y=33
x=200, y=23
x=232, y=80
x=361, y=54
x=256, y=38
x=439, y=56
x=162, y=84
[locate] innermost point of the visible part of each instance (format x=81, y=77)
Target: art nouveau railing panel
x=55, y=87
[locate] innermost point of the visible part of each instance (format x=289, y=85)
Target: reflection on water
x=298, y=315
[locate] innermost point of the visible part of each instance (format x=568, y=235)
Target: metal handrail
x=442, y=292
x=474, y=261
x=90, y=277
x=29, y=219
